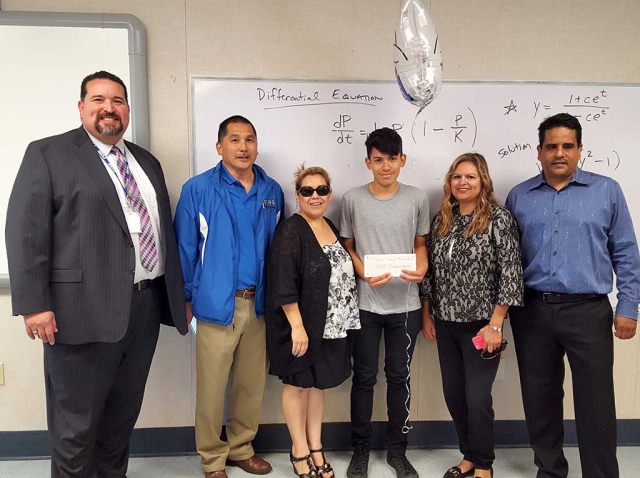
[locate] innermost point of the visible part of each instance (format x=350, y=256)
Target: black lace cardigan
x=299, y=271
x=468, y=276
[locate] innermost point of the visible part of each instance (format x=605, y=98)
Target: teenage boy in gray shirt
x=384, y=217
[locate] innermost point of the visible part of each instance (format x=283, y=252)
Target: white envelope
x=378, y=264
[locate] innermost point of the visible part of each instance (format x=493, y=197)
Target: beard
x=111, y=129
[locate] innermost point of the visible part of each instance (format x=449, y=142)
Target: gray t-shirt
x=385, y=226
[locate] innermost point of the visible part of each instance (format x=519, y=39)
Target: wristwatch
x=496, y=328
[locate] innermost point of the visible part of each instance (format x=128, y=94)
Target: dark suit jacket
x=69, y=247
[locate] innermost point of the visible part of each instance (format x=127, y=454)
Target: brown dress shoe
x=254, y=465
x=216, y=474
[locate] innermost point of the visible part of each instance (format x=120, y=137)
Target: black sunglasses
x=496, y=353
x=307, y=191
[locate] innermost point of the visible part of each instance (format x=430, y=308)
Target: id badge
x=133, y=221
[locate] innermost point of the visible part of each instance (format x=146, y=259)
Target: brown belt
x=249, y=293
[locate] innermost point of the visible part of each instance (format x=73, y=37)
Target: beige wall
x=573, y=40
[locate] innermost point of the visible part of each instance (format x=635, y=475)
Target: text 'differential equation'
x=278, y=98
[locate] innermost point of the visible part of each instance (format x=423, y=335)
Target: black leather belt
x=555, y=298
x=249, y=293
x=143, y=284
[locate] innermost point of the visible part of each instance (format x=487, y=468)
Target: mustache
x=110, y=115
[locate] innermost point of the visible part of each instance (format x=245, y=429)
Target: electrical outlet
x=1, y=374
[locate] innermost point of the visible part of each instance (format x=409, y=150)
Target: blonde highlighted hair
x=482, y=217
x=302, y=172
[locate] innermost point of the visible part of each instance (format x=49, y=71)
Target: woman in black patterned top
x=311, y=304
x=475, y=274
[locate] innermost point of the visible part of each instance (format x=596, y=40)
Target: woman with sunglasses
x=311, y=304
x=475, y=274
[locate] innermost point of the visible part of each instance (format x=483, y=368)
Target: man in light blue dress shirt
x=575, y=231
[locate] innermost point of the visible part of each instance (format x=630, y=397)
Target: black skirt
x=330, y=369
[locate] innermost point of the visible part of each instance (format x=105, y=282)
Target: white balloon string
x=413, y=127
x=407, y=427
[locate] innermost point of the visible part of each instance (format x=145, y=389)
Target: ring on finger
x=35, y=332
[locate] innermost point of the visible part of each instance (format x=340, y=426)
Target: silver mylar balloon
x=417, y=56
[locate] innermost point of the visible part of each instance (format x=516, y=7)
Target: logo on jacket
x=268, y=203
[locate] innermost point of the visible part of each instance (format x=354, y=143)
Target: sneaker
x=359, y=464
x=404, y=469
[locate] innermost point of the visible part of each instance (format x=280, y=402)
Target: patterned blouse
x=342, y=306
x=468, y=276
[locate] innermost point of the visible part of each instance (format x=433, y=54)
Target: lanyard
x=127, y=174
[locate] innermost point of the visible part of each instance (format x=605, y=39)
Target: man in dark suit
x=94, y=270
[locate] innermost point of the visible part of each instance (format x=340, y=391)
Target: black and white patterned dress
x=342, y=306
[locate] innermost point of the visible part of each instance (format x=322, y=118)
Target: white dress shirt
x=148, y=194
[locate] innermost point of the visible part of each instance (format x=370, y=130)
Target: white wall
x=573, y=40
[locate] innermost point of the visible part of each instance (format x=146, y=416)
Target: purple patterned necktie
x=148, y=249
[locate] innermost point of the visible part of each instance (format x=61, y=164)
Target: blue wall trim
x=275, y=438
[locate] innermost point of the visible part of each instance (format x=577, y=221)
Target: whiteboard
x=325, y=123
x=44, y=57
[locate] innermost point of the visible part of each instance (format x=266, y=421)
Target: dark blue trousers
x=543, y=333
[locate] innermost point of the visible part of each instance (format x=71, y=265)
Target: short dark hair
x=385, y=140
x=101, y=75
x=561, y=120
x=222, y=129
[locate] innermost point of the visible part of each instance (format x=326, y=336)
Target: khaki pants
x=219, y=350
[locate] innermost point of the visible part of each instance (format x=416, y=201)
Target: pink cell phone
x=478, y=342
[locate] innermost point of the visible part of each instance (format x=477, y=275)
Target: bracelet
x=496, y=328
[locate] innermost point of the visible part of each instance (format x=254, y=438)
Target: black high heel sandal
x=313, y=472
x=325, y=467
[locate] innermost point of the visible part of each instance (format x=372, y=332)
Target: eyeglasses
x=496, y=353
x=307, y=191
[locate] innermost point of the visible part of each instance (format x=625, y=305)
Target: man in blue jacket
x=224, y=223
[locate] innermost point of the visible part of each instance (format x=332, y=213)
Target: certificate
x=378, y=264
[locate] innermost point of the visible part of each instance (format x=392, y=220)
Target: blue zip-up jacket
x=206, y=230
